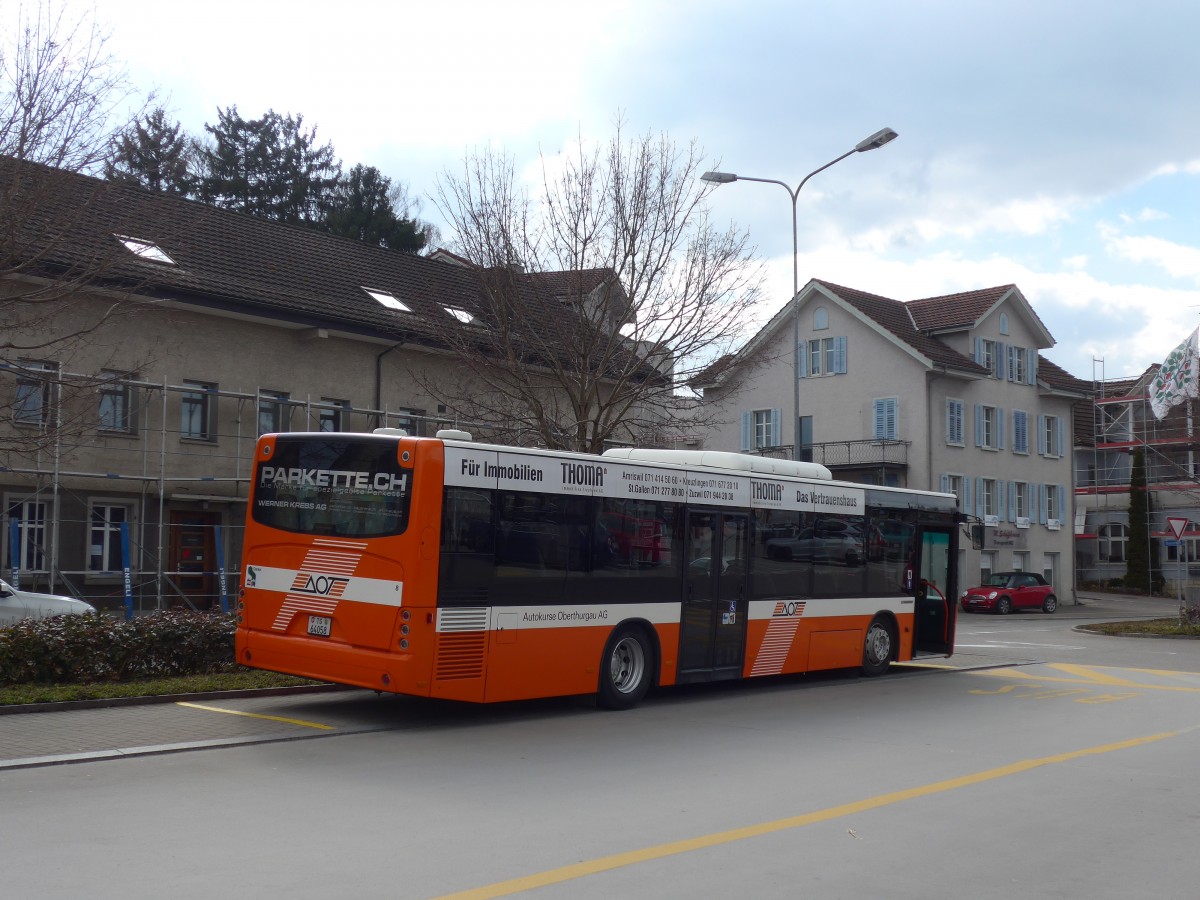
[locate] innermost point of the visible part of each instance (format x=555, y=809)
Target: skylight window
x=387, y=299
x=461, y=314
x=145, y=249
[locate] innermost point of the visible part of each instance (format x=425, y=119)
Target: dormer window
x=461, y=314
x=145, y=249
x=387, y=299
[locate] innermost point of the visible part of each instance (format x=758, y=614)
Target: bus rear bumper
x=323, y=660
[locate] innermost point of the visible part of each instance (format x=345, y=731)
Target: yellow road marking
x=234, y=712
x=632, y=857
x=1086, y=675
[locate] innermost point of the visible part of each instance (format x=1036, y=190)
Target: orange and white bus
x=442, y=567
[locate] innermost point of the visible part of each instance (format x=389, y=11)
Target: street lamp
x=878, y=139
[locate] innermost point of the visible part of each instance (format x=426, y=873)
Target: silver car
x=16, y=605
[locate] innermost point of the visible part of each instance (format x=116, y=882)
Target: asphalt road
x=1038, y=762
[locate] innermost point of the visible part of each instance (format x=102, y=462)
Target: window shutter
x=1062, y=503
x=747, y=431
x=802, y=365
x=999, y=428
x=1041, y=435
x=966, y=497
x=998, y=361
x=1062, y=435
x=776, y=426
x=978, y=425
x=1001, y=498
x=979, y=497
x=839, y=356
x=1012, y=501
x=1012, y=363
x=1040, y=493
x=1031, y=367
x=945, y=484
x=979, y=350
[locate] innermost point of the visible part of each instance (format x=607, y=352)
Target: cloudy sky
x=1054, y=145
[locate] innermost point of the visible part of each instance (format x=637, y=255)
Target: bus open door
x=933, y=580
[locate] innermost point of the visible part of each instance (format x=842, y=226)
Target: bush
x=72, y=649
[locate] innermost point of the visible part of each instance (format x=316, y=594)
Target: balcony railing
x=846, y=454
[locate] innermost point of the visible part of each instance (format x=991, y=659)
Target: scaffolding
x=155, y=483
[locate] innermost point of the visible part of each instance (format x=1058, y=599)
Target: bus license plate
x=319, y=625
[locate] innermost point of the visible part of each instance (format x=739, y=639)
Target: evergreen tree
x=1137, y=564
x=152, y=153
x=270, y=167
x=363, y=209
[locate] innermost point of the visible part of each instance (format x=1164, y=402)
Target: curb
x=104, y=703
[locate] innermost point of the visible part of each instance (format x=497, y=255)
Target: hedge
x=88, y=648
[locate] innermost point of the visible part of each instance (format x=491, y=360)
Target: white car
x=16, y=605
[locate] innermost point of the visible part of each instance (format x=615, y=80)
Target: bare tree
x=60, y=92
x=599, y=298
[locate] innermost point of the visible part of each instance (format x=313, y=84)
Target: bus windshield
x=351, y=487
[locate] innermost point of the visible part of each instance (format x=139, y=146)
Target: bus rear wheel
x=878, y=648
x=625, y=668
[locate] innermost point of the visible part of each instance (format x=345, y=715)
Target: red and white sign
x=1177, y=526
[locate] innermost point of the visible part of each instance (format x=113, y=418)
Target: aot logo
x=324, y=585
x=788, y=609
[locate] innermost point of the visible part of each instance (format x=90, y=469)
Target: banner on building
x=1178, y=378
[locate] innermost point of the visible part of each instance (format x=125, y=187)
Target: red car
x=1005, y=591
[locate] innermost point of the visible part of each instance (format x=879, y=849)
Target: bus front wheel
x=625, y=668
x=878, y=648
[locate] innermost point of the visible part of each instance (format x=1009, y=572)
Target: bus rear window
x=343, y=487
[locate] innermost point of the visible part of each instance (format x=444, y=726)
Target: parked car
x=822, y=545
x=16, y=605
x=1003, y=592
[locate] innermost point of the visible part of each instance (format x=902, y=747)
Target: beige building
x=945, y=393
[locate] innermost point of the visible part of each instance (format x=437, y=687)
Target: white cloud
x=1177, y=260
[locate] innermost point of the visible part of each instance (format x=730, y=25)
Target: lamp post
x=878, y=139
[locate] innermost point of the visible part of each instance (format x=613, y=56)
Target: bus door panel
x=935, y=589
x=712, y=634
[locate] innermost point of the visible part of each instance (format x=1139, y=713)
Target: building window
x=989, y=427
x=1049, y=436
x=987, y=496
x=104, y=552
x=765, y=428
x=1020, y=560
x=1113, y=538
x=1020, y=431
x=410, y=420
x=33, y=402
x=329, y=414
x=31, y=517
x=823, y=356
x=954, y=485
x=1018, y=365
x=886, y=427
x=820, y=319
x=1020, y=491
x=198, y=411
x=1004, y=323
x=1053, y=513
x=117, y=403
x=806, y=439
x=272, y=410
x=987, y=354
x=987, y=565
x=954, y=422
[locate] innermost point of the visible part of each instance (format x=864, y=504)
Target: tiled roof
x=956, y=310
x=894, y=316
x=235, y=261
x=1057, y=377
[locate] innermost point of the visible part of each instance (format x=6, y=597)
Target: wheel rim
x=1051, y=604
x=879, y=644
x=627, y=665
x=1003, y=605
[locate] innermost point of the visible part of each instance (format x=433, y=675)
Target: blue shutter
x=776, y=423
x=978, y=425
x=1041, y=502
x=747, y=431
x=979, y=350
x=998, y=357
x=945, y=484
x=802, y=364
x=1062, y=436
x=1012, y=501
x=999, y=428
x=1041, y=435
x=839, y=356
x=1020, y=431
x=1001, y=497
x=979, y=497
x=1012, y=363
x=1062, y=503
x=966, y=497
x=1031, y=367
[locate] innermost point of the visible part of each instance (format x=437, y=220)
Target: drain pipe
x=379, y=423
